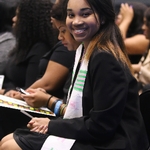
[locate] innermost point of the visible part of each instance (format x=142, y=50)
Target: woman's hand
x=136, y=67
x=127, y=12
x=39, y=125
x=124, y=18
x=2, y=91
x=13, y=94
x=36, y=98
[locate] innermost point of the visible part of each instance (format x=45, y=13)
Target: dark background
x=147, y=2
x=118, y=2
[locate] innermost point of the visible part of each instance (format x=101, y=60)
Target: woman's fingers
x=41, y=129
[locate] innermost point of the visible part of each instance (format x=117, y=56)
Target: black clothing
x=11, y=119
x=32, y=144
x=60, y=54
x=134, y=59
x=21, y=75
x=111, y=114
x=25, y=73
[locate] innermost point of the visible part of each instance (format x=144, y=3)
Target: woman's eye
x=63, y=31
x=70, y=15
x=85, y=14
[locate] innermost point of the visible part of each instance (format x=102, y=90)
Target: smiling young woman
x=103, y=105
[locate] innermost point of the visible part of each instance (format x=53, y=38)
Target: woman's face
x=82, y=22
x=65, y=36
x=14, y=19
x=146, y=29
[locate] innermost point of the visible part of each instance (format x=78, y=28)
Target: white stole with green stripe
x=74, y=107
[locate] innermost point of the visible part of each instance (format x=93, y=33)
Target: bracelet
x=48, y=101
x=57, y=107
x=53, y=105
x=62, y=109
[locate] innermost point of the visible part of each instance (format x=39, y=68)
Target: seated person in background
x=56, y=66
x=7, y=40
x=58, y=20
x=130, y=21
x=142, y=69
x=34, y=36
x=103, y=104
x=56, y=75
x=53, y=75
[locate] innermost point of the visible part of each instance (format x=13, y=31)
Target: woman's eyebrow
x=69, y=9
x=82, y=9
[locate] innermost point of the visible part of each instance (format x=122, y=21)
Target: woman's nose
x=60, y=37
x=77, y=21
x=143, y=26
x=14, y=19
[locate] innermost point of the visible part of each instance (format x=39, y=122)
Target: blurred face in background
x=14, y=19
x=146, y=28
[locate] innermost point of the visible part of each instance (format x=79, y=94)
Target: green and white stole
x=74, y=99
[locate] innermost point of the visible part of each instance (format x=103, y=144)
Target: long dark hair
x=5, y=17
x=137, y=21
x=33, y=25
x=147, y=16
x=59, y=10
x=108, y=37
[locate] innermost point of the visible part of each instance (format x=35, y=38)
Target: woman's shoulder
x=40, y=45
x=105, y=58
x=60, y=47
x=39, y=48
x=7, y=43
x=101, y=53
x=6, y=36
x=136, y=44
x=63, y=56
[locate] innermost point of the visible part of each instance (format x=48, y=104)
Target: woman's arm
x=137, y=44
x=53, y=78
x=127, y=14
x=136, y=68
x=60, y=64
x=109, y=87
x=2, y=91
x=58, y=68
